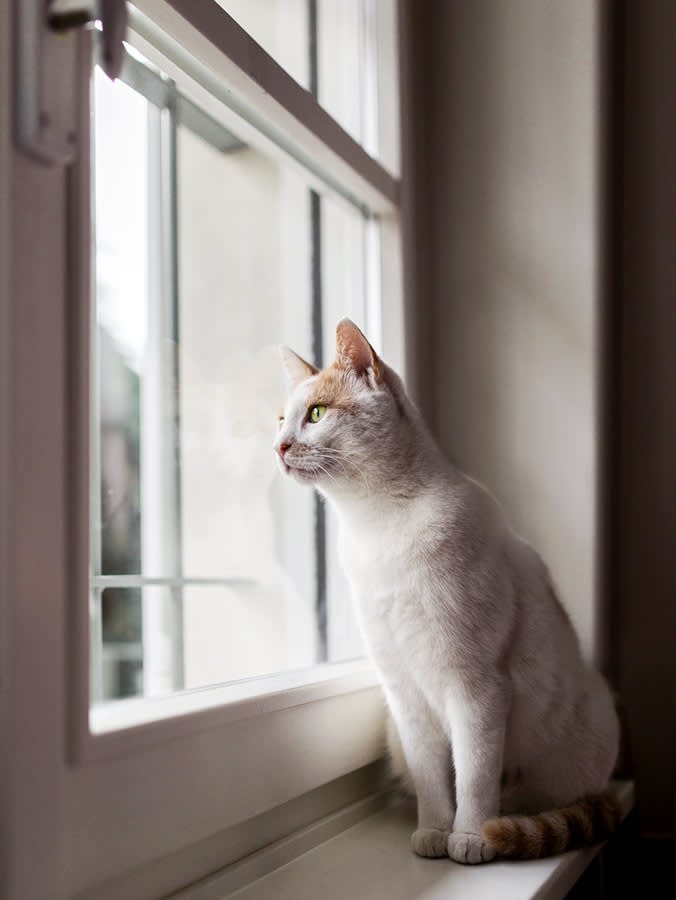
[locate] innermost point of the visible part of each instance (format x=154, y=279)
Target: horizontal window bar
x=135, y=581
x=162, y=92
x=145, y=81
x=190, y=116
x=122, y=650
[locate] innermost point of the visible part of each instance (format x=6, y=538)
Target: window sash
x=162, y=93
x=195, y=711
x=91, y=807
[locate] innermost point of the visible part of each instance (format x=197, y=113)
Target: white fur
x=480, y=666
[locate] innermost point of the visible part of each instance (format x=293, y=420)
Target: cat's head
x=340, y=425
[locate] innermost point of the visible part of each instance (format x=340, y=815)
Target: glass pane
x=346, y=80
x=346, y=291
x=120, y=216
x=121, y=662
x=231, y=633
x=204, y=559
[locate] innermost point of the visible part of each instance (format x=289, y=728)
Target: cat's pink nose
x=282, y=449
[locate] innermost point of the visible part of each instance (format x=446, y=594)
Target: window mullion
x=95, y=487
x=321, y=612
x=174, y=400
x=160, y=477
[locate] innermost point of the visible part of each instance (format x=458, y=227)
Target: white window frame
x=85, y=812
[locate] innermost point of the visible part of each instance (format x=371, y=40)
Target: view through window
x=206, y=566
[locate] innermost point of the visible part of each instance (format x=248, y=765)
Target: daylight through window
x=207, y=567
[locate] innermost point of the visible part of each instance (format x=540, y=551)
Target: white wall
x=514, y=217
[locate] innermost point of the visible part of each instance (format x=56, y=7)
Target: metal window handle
x=113, y=15
x=45, y=84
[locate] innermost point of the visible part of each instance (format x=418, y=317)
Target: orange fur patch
x=332, y=388
x=589, y=820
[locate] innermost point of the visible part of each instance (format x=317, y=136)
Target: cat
x=509, y=738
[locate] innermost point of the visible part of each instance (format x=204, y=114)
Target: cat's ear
x=296, y=367
x=354, y=352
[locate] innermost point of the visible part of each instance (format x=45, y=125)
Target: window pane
x=205, y=560
x=121, y=661
x=346, y=291
x=121, y=228
x=346, y=64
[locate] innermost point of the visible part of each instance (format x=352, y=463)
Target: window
x=230, y=211
x=206, y=566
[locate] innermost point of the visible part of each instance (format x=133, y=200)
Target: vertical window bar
x=318, y=354
x=160, y=436
x=175, y=442
x=372, y=280
x=320, y=510
x=95, y=486
x=313, y=80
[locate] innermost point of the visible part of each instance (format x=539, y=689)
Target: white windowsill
x=238, y=700
x=372, y=860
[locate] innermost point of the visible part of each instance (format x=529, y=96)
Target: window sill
x=123, y=727
x=238, y=700
x=373, y=860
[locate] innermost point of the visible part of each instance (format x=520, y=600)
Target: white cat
x=480, y=664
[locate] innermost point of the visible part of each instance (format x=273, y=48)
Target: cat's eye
x=317, y=412
x=280, y=421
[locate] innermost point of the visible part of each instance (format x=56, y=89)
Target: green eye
x=317, y=412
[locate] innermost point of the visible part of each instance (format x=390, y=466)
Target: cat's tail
x=584, y=822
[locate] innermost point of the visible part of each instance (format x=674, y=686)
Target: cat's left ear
x=354, y=352
x=296, y=367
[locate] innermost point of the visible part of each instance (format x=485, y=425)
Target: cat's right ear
x=353, y=352
x=296, y=367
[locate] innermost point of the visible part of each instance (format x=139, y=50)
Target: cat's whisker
x=325, y=471
x=344, y=457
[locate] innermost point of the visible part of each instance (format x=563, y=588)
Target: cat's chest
x=398, y=614
x=388, y=577
x=378, y=560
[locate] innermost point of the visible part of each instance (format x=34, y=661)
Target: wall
x=542, y=211
x=514, y=259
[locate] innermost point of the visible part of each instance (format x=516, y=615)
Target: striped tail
x=586, y=821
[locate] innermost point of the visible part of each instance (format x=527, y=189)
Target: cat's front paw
x=469, y=848
x=430, y=842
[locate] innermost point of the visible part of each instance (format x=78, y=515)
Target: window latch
x=47, y=70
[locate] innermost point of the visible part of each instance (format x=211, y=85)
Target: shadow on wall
x=514, y=139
